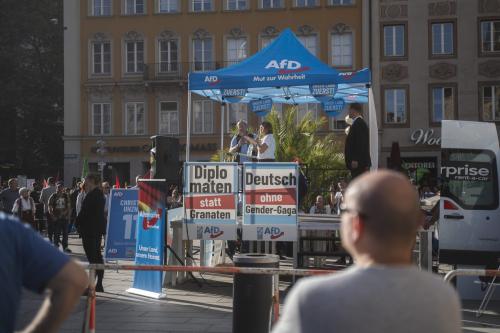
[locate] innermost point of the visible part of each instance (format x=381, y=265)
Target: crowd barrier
x=89, y=323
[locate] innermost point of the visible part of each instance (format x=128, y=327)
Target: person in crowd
x=91, y=224
x=239, y=145
x=35, y=195
x=383, y=291
x=44, y=198
x=9, y=195
x=357, y=143
x=331, y=197
x=339, y=196
x=73, y=198
x=79, y=199
x=59, y=210
x=24, y=207
x=106, y=188
x=319, y=207
x=266, y=146
x=28, y=261
x=175, y=200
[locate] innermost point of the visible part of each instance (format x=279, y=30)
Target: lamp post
x=101, y=151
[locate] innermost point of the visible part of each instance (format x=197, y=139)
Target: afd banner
x=210, y=200
x=122, y=222
x=270, y=201
x=150, y=237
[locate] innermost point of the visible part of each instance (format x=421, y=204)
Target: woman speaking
x=266, y=146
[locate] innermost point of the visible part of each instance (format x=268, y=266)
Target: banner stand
x=146, y=293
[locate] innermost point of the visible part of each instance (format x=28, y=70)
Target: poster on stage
x=150, y=237
x=122, y=224
x=210, y=200
x=270, y=201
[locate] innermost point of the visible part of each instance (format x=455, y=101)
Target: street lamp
x=101, y=151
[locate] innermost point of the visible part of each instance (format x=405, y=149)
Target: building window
x=442, y=38
x=101, y=119
x=337, y=124
x=265, y=41
x=342, y=49
x=270, y=4
x=236, y=50
x=442, y=103
x=135, y=118
x=201, y=5
x=168, y=118
x=308, y=108
x=394, y=40
x=134, y=7
x=202, y=117
x=101, y=58
x=341, y=2
x=491, y=103
x=236, y=4
x=202, y=54
x=395, y=106
x=235, y=112
x=168, y=6
x=309, y=43
x=135, y=56
x=168, y=55
x=306, y=3
x=490, y=36
x=101, y=7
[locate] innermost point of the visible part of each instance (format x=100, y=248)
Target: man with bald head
x=382, y=291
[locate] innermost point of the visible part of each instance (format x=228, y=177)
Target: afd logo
x=347, y=75
x=286, y=66
x=272, y=232
x=151, y=221
x=212, y=231
x=118, y=194
x=212, y=79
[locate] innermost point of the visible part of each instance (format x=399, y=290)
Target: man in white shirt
x=383, y=291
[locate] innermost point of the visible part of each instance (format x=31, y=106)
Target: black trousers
x=92, y=248
x=50, y=227
x=357, y=172
x=61, y=227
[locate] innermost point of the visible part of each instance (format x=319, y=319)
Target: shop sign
x=425, y=137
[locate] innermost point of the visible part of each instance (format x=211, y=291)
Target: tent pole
x=222, y=109
x=188, y=127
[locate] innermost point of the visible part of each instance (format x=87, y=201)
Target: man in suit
x=91, y=224
x=357, y=143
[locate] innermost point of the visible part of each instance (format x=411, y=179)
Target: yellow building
x=127, y=61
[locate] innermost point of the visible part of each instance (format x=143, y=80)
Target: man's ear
x=357, y=228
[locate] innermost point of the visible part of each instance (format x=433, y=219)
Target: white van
x=469, y=221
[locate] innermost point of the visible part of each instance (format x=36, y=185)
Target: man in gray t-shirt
x=383, y=292
x=9, y=195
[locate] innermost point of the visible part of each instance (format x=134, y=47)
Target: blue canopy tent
x=284, y=72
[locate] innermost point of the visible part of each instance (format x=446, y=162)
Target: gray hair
x=23, y=190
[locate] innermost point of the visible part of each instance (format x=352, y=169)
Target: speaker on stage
x=165, y=162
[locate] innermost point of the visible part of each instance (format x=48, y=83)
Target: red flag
x=117, y=182
x=57, y=177
x=45, y=184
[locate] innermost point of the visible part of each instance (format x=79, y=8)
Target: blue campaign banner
x=150, y=237
x=270, y=201
x=122, y=225
x=261, y=106
x=334, y=107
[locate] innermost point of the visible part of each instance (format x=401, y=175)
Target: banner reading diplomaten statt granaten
x=270, y=201
x=150, y=237
x=210, y=200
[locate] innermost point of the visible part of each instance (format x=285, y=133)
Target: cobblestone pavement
x=187, y=308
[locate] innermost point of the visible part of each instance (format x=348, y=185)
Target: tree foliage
x=31, y=89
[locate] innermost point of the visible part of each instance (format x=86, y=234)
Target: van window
x=470, y=178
